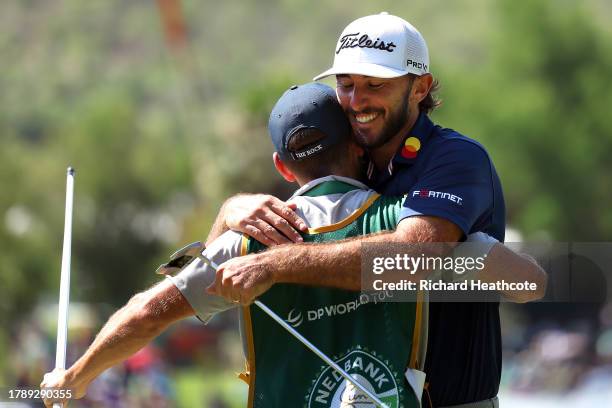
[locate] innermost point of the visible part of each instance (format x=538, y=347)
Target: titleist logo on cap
x=353, y=41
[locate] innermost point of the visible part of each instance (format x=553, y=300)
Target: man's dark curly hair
x=431, y=101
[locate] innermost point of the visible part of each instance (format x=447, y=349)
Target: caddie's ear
x=282, y=168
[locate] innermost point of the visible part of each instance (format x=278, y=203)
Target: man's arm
x=132, y=327
x=338, y=264
x=262, y=217
x=333, y=264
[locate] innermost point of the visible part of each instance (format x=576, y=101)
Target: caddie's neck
x=348, y=164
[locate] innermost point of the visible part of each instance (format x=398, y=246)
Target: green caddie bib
x=373, y=341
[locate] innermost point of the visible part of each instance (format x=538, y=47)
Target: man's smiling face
x=378, y=108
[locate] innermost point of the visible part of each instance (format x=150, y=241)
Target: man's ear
x=421, y=86
x=282, y=168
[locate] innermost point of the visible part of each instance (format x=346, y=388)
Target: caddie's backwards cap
x=382, y=46
x=308, y=106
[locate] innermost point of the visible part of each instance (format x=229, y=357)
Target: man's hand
x=264, y=218
x=58, y=380
x=243, y=279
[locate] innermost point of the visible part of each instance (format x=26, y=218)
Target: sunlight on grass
x=199, y=388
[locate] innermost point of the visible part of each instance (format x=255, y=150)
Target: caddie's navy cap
x=314, y=106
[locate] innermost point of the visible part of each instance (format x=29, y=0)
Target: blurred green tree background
x=161, y=134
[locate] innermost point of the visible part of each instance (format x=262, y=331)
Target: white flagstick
x=309, y=345
x=64, y=295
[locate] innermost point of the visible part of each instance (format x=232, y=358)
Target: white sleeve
x=193, y=280
x=476, y=246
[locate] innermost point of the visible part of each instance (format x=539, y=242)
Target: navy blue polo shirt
x=448, y=175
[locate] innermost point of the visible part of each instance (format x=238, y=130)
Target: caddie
x=312, y=140
x=384, y=84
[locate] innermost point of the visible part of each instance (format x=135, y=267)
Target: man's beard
x=397, y=120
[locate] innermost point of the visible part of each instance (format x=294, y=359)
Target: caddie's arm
x=132, y=327
x=504, y=264
x=263, y=217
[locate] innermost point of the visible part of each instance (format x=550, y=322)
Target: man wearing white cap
x=384, y=85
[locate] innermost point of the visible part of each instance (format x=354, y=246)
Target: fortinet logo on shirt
x=437, y=194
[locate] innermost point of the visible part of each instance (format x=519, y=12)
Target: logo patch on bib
x=331, y=390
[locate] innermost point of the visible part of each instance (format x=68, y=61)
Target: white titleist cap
x=382, y=46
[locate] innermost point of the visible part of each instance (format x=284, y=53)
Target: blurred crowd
x=560, y=352
x=147, y=379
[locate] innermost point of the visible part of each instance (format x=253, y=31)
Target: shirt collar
x=329, y=185
x=409, y=150
x=414, y=141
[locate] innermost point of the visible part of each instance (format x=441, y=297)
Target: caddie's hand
x=242, y=279
x=264, y=218
x=59, y=388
